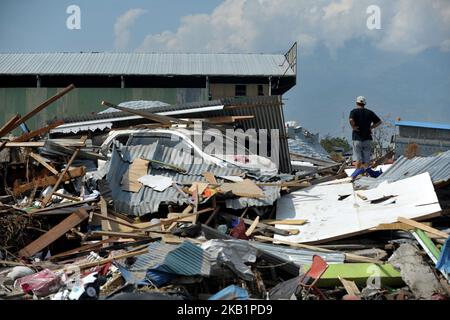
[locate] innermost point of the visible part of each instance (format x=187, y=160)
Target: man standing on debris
x=363, y=121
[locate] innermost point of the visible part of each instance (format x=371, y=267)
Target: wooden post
x=42, y=106
x=61, y=176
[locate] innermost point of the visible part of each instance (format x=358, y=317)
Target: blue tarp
x=232, y=292
x=443, y=263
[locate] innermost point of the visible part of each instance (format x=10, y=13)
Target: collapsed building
x=103, y=205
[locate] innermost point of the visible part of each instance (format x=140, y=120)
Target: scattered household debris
x=128, y=216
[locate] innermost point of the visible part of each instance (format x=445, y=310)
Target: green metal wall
x=84, y=100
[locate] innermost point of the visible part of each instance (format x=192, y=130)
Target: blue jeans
x=362, y=150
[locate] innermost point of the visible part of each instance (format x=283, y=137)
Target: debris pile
x=133, y=218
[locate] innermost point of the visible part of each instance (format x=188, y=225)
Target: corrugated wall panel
x=84, y=100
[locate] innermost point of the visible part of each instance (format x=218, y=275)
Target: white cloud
x=416, y=26
x=261, y=25
x=122, y=33
x=445, y=45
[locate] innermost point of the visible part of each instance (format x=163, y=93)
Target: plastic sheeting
x=234, y=254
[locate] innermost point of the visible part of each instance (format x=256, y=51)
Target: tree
x=382, y=137
x=331, y=143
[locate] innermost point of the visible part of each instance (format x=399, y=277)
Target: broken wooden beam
x=260, y=225
x=40, y=144
x=107, y=260
x=38, y=132
x=49, y=180
x=83, y=248
x=350, y=286
x=42, y=106
x=120, y=235
x=180, y=217
x=61, y=176
x=54, y=233
x=9, y=124
x=102, y=216
x=285, y=222
x=423, y=227
x=252, y=227
x=42, y=161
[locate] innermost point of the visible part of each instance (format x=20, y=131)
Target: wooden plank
x=246, y=188
x=36, y=144
x=393, y=226
x=180, y=217
x=61, y=176
x=118, y=221
x=86, y=247
x=66, y=196
x=210, y=178
x=43, y=105
x=88, y=265
x=104, y=216
x=38, y=132
x=216, y=211
x=137, y=169
x=9, y=124
x=423, y=227
x=125, y=235
x=226, y=119
x=13, y=263
x=252, y=227
x=120, y=216
x=285, y=222
x=42, y=161
x=60, y=206
x=54, y=233
x=171, y=239
x=40, y=144
x=261, y=225
x=350, y=287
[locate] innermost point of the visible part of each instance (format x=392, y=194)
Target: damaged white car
x=219, y=149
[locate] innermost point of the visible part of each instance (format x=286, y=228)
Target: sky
x=402, y=66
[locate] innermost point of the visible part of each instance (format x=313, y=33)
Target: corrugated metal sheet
x=137, y=105
x=299, y=256
x=276, y=261
x=148, y=200
x=186, y=259
x=438, y=167
x=429, y=125
x=85, y=100
x=305, y=143
x=144, y=64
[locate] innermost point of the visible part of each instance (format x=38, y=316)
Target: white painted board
x=328, y=217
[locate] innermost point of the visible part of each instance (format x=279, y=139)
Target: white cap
x=361, y=100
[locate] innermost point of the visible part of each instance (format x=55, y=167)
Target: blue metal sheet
x=423, y=125
x=437, y=166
